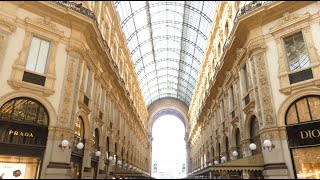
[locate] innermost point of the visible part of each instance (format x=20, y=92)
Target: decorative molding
x=240, y=53
x=289, y=19
x=67, y=98
x=76, y=49
x=264, y=86
x=5, y=22
x=46, y=21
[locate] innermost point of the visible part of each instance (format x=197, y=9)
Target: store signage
x=20, y=133
x=304, y=134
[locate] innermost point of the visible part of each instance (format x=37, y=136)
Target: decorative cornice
x=46, y=23
x=76, y=49
x=288, y=19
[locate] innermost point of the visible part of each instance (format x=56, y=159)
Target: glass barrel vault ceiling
x=167, y=40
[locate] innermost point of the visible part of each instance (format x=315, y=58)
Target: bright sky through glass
x=167, y=41
x=168, y=147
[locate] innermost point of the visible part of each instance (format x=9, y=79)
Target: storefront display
x=12, y=167
x=23, y=138
x=303, y=122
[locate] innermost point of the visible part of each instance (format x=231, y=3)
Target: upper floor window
x=219, y=50
x=296, y=52
x=226, y=29
x=38, y=55
x=245, y=79
x=87, y=81
x=231, y=98
x=102, y=95
x=222, y=109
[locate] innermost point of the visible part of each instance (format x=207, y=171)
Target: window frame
x=48, y=54
x=285, y=51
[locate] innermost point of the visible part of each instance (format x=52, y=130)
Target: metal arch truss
x=184, y=24
x=166, y=42
x=168, y=49
x=169, y=76
x=168, y=37
x=168, y=68
x=167, y=3
x=168, y=59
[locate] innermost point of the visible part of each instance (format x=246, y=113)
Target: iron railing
x=84, y=11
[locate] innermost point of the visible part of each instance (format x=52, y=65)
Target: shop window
x=303, y=110
x=307, y=162
x=15, y=167
x=303, y=136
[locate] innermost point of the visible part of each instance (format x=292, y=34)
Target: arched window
x=24, y=121
x=254, y=136
x=219, y=153
x=303, y=109
x=238, y=148
x=122, y=156
x=219, y=50
x=227, y=149
x=95, y=141
x=78, y=135
x=226, y=29
x=115, y=152
x=26, y=111
x=213, y=154
x=108, y=147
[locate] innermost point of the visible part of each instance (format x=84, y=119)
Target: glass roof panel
x=167, y=40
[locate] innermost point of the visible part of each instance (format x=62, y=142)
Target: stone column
x=277, y=158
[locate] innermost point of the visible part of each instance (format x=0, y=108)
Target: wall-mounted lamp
x=98, y=153
x=253, y=146
x=267, y=144
x=235, y=153
x=80, y=145
x=64, y=144
x=223, y=159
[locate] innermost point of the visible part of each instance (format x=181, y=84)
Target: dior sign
x=315, y=133
x=302, y=135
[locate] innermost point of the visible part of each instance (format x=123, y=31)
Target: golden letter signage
x=20, y=133
x=304, y=134
x=310, y=134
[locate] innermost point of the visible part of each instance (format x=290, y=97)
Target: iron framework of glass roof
x=167, y=40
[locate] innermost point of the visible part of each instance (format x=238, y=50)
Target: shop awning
x=251, y=163
x=127, y=173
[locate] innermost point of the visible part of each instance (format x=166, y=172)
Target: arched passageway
x=168, y=148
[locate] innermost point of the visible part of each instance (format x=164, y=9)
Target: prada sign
x=20, y=133
x=23, y=134
x=304, y=134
